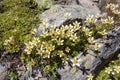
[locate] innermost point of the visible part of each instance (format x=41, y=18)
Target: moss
x=17, y=19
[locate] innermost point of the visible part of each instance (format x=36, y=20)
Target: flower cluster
x=109, y=20
x=113, y=70
x=91, y=19
x=30, y=45
x=10, y=45
x=52, y=42
x=58, y=45
x=9, y=41
x=87, y=31
x=113, y=8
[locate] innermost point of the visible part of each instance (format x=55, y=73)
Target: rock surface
x=55, y=15
x=3, y=72
x=94, y=61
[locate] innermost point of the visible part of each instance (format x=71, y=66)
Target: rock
x=65, y=2
x=1, y=0
x=55, y=15
x=94, y=61
x=43, y=79
x=3, y=72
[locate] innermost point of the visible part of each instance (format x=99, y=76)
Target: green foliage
x=45, y=4
x=16, y=20
x=112, y=71
x=13, y=75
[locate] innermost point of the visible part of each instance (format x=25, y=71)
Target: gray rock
x=43, y=79
x=55, y=15
x=94, y=63
x=3, y=72
x=1, y=0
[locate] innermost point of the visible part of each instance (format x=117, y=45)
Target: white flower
x=45, y=24
x=46, y=54
x=90, y=77
x=91, y=39
x=76, y=62
x=29, y=47
x=34, y=31
x=60, y=42
x=73, y=37
x=64, y=60
x=110, y=20
x=89, y=19
x=103, y=32
x=60, y=53
x=117, y=69
x=67, y=49
x=87, y=31
x=104, y=21
x=97, y=46
x=108, y=70
x=67, y=15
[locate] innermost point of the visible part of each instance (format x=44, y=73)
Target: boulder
x=55, y=15
x=94, y=61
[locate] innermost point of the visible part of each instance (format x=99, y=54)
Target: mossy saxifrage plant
x=58, y=46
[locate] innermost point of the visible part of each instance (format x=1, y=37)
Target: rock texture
x=93, y=61
x=3, y=72
x=55, y=15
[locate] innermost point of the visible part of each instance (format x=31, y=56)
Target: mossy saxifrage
x=58, y=46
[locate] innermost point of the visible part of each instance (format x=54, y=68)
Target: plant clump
x=57, y=46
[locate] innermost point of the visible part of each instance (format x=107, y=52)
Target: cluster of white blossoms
x=30, y=45
x=91, y=19
x=9, y=41
x=56, y=42
x=59, y=34
x=52, y=39
x=87, y=31
x=109, y=20
x=113, y=70
x=113, y=8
